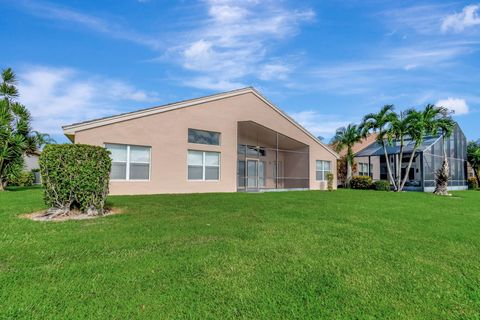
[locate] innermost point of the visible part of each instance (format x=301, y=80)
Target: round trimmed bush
x=361, y=182
x=381, y=185
x=75, y=176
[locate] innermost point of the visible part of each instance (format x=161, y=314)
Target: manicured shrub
x=381, y=185
x=472, y=183
x=75, y=176
x=330, y=178
x=22, y=179
x=361, y=182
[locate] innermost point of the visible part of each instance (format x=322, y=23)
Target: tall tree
x=345, y=138
x=16, y=138
x=379, y=124
x=419, y=124
x=473, y=157
x=396, y=133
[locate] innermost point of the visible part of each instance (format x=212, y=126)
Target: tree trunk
x=408, y=169
x=442, y=180
x=389, y=169
x=349, y=174
x=399, y=167
x=442, y=175
x=2, y=188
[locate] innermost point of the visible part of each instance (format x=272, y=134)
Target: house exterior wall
x=31, y=162
x=374, y=161
x=167, y=133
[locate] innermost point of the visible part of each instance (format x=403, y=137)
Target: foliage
x=346, y=138
x=382, y=185
x=43, y=139
x=361, y=182
x=472, y=183
x=342, y=170
x=75, y=175
x=410, y=124
x=22, y=179
x=16, y=138
x=330, y=178
x=473, y=157
x=379, y=123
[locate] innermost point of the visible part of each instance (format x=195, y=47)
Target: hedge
x=472, y=183
x=75, y=176
x=382, y=185
x=361, y=182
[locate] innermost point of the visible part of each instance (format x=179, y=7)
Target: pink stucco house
x=227, y=142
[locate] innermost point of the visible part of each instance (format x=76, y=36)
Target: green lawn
x=344, y=254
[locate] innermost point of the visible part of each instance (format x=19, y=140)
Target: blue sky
x=326, y=63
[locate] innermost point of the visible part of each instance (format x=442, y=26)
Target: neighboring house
x=427, y=161
x=31, y=163
x=233, y=141
x=362, y=164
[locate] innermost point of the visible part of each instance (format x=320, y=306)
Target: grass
x=305, y=255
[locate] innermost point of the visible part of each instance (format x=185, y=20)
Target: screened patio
x=268, y=160
x=427, y=161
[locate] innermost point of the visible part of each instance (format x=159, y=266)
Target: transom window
x=203, y=165
x=323, y=167
x=129, y=162
x=203, y=137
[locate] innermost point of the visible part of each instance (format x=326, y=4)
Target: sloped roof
x=376, y=149
x=69, y=130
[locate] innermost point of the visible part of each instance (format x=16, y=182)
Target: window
x=129, y=162
x=363, y=169
x=203, y=137
x=203, y=165
x=323, y=167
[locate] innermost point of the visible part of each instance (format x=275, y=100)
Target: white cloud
x=212, y=84
x=234, y=41
x=422, y=18
x=460, y=21
x=319, y=124
x=274, y=71
x=114, y=30
x=60, y=96
x=458, y=106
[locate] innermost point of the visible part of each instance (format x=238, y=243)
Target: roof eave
x=70, y=130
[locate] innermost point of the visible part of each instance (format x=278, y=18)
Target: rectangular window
x=203, y=137
x=203, y=165
x=363, y=169
x=323, y=167
x=129, y=162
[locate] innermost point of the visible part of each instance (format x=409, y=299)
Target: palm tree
x=42, y=139
x=379, y=123
x=15, y=131
x=396, y=133
x=419, y=124
x=473, y=157
x=345, y=138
